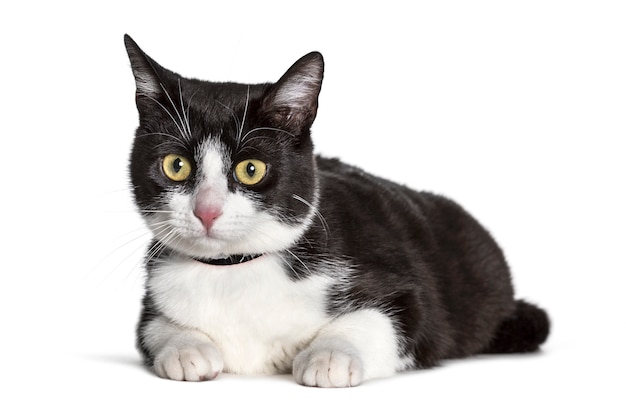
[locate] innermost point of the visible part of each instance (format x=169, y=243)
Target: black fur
x=441, y=275
x=419, y=257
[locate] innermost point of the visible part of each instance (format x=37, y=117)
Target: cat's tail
x=524, y=331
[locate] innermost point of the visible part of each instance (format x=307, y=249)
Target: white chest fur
x=255, y=314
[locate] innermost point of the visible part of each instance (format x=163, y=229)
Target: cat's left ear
x=146, y=71
x=292, y=101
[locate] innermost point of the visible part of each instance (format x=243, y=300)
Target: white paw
x=324, y=366
x=199, y=362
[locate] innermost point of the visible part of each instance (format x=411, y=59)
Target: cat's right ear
x=291, y=103
x=145, y=70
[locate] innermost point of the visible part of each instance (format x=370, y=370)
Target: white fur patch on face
x=241, y=228
x=214, y=163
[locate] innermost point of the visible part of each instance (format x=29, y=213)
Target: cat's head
x=223, y=169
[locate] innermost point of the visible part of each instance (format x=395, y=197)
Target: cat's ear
x=292, y=101
x=145, y=69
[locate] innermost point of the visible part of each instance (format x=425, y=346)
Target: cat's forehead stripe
x=212, y=160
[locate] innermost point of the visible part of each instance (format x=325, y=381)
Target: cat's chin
x=209, y=246
x=202, y=252
x=268, y=236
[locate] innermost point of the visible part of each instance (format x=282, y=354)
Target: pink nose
x=207, y=215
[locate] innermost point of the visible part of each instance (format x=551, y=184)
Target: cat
x=267, y=258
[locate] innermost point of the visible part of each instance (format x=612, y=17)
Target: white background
x=514, y=109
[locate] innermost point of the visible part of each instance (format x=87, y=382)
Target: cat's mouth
x=231, y=260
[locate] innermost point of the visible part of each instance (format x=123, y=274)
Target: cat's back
x=386, y=202
x=369, y=217
x=376, y=215
x=381, y=200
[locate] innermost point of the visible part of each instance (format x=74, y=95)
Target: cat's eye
x=176, y=167
x=250, y=172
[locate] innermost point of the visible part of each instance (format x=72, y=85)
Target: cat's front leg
x=329, y=362
x=352, y=348
x=179, y=353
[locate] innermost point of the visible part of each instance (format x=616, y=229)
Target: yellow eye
x=176, y=167
x=250, y=172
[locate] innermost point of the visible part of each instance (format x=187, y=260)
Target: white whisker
x=180, y=130
x=116, y=250
x=232, y=114
x=161, y=244
x=182, y=107
x=242, y=139
x=299, y=260
x=174, y=138
x=144, y=233
x=158, y=134
x=157, y=211
x=288, y=264
x=245, y=112
x=180, y=125
x=317, y=213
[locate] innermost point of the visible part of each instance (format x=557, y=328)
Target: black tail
x=523, y=332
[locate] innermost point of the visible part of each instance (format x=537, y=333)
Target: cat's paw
x=328, y=366
x=199, y=362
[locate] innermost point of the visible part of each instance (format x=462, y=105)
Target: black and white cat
x=269, y=259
